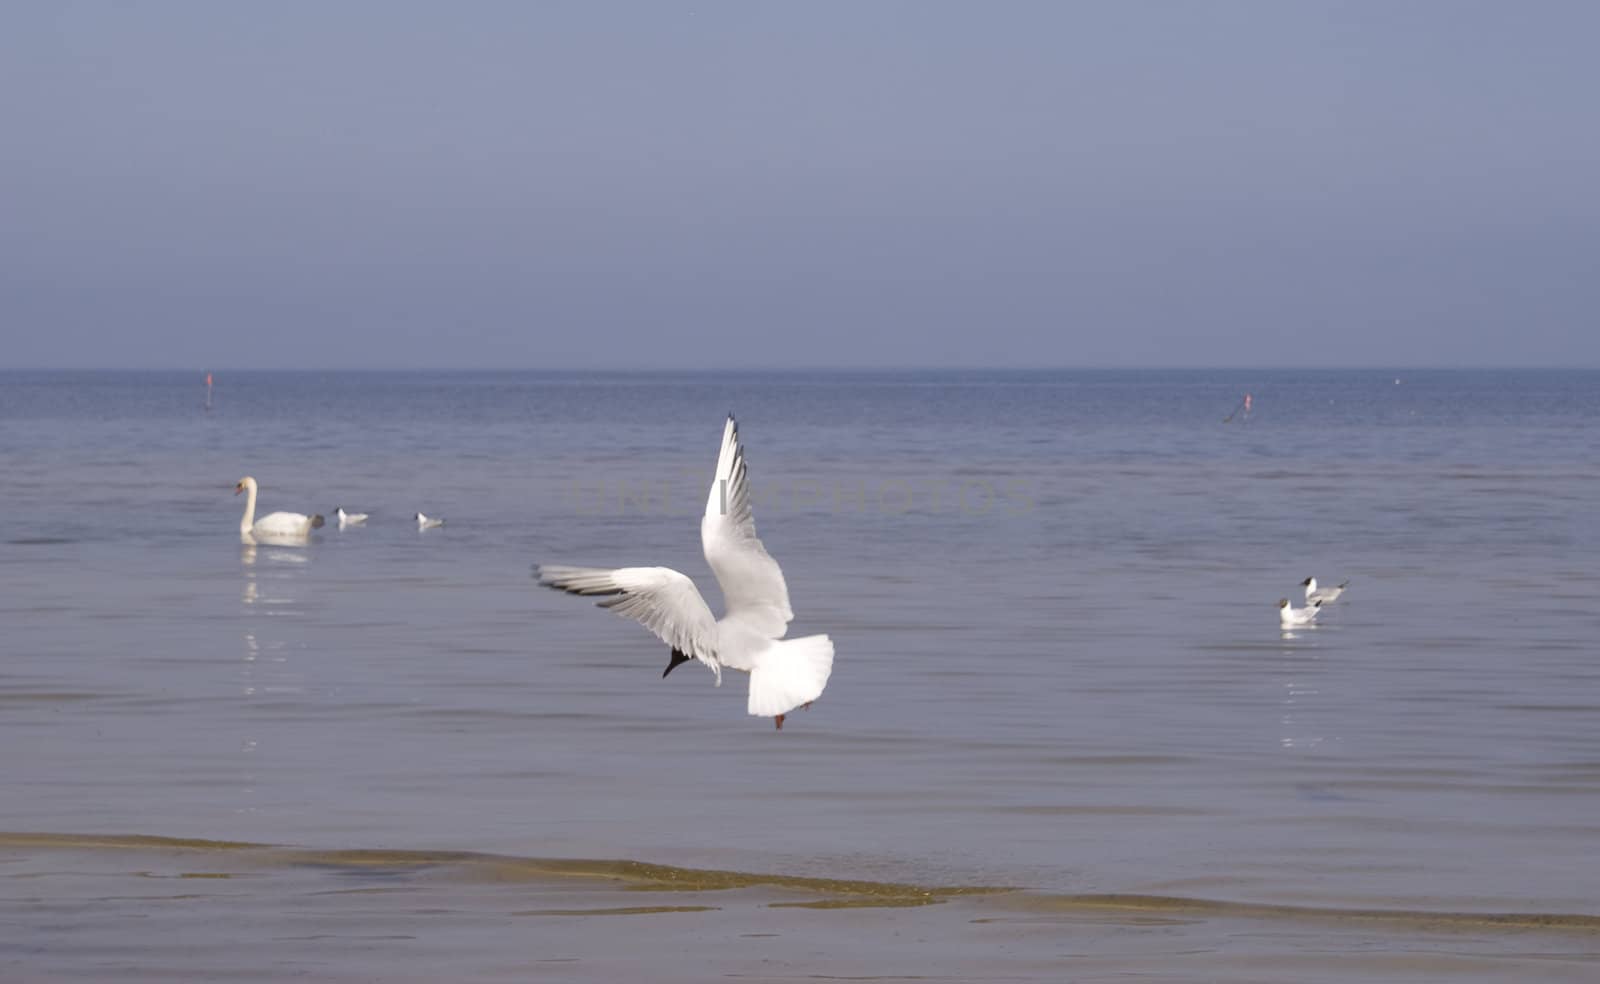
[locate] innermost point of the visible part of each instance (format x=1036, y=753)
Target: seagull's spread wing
x=752, y=584
x=659, y=598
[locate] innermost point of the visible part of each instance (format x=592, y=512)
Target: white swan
x=348, y=518
x=278, y=524
x=428, y=522
x=784, y=673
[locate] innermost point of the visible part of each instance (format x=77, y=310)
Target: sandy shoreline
x=91, y=908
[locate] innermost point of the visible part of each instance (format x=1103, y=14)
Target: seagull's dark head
x=1307, y=582
x=1283, y=602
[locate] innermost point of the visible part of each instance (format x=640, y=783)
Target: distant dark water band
x=832, y=893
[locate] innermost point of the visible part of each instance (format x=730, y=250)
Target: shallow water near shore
x=1065, y=735
x=159, y=907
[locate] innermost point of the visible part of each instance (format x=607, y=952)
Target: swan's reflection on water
x=250, y=552
x=267, y=588
x=247, y=742
x=273, y=586
x=266, y=668
x=249, y=541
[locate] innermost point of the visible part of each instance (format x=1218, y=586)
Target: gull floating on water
x=278, y=524
x=428, y=522
x=1289, y=616
x=349, y=518
x=1323, y=596
x=784, y=673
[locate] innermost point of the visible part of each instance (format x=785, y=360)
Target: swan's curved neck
x=249, y=520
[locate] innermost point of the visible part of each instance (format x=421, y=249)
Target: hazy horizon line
x=796, y=370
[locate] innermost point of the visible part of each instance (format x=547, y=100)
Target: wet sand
x=144, y=908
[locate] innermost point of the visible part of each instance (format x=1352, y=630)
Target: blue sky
x=820, y=183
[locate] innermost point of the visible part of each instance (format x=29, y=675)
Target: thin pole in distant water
x=208, y=392
x=1243, y=407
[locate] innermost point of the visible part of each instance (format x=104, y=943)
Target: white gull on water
x=1289, y=616
x=784, y=673
x=1321, y=596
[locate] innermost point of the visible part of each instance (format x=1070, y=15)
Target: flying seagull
x=784, y=673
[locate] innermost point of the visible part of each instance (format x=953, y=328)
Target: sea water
x=1059, y=670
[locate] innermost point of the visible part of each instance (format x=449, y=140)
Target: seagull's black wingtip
x=678, y=658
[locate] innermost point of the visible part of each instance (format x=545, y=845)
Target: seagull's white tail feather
x=789, y=673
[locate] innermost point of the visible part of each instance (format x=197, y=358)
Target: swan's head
x=244, y=483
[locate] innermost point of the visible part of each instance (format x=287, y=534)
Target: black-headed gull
x=1290, y=616
x=279, y=524
x=1324, y=595
x=428, y=522
x=784, y=673
x=348, y=518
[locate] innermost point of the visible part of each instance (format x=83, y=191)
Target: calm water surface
x=1059, y=670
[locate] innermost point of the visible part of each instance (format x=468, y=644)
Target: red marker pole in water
x=1244, y=405
x=208, y=391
